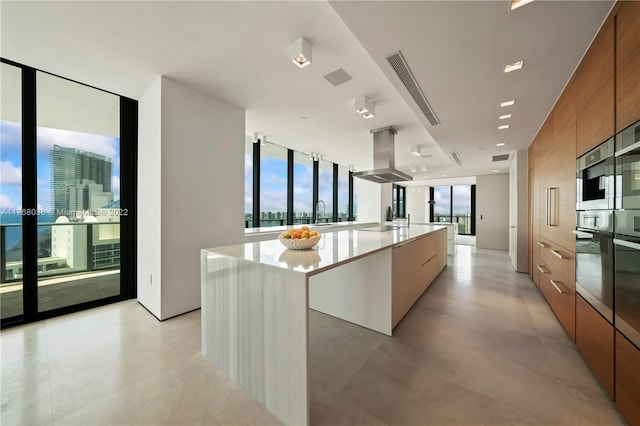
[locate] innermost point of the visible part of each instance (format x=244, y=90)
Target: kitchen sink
x=382, y=228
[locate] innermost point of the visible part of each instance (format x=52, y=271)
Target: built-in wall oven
x=594, y=260
x=595, y=175
x=627, y=274
x=628, y=168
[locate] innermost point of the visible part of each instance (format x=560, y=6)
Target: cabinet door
x=628, y=379
x=562, y=166
x=627, y=64
x=595, y=95
x=594, y=338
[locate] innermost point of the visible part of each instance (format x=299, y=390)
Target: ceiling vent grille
x=503, y=157
x=401, y=68
x=456, y=158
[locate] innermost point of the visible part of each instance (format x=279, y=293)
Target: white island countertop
x=256, y=299
x=334, y=248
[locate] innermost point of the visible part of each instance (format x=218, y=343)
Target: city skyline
x=11, y=161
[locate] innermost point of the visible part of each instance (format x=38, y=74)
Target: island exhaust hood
x=384, y=163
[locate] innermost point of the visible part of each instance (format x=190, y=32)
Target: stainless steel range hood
x=384, y=164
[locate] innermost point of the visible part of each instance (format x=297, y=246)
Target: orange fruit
x=296, y=235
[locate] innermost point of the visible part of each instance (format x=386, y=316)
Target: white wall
x=368, y=200
x=198, y=181
x=417, y=203
x=492, y=211
x=518, y=205
x=149, y=204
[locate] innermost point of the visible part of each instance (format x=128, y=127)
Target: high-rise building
x=69, y=167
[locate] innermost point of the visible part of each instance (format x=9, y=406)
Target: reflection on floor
x=465, y=240
x=480, y=347
x=62, y=290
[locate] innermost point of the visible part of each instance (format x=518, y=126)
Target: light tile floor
x=481, y=347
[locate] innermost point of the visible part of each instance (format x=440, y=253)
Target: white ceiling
x=238, y=52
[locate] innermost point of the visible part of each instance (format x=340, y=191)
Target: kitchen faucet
x=324, y=210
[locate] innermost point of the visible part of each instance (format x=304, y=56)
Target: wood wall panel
x=595, y=95
x=628, y=379
x=627, y=64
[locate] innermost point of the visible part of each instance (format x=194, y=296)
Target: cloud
x=10, y=174
x=7, y=203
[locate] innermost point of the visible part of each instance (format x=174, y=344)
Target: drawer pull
x=430, y=259
x=556, y=286
x=541, y=244
x=542, y=269
x=556, y=254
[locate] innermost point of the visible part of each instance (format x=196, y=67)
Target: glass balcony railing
x=463, y=221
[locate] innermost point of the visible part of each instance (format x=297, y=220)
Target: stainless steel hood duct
x=384, y=162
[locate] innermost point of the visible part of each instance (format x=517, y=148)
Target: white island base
x=256, y=296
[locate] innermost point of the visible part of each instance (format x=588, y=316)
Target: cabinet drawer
x=561, y=263
x=562, y=302
x=628, y=379
x=557, y=277
x=594, y=338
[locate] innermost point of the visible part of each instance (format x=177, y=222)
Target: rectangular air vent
x=337, y=77
x=401, y=68
x=503, y=157
x=456, y=158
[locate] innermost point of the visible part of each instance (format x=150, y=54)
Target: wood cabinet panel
x=414, y=267
x=595, y=92
x=534, y=210
x=627, y=64
x=595, y=339
x=627, y=379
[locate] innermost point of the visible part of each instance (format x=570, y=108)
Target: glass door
x=78, y=175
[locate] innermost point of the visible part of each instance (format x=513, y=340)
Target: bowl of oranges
x=299, y=238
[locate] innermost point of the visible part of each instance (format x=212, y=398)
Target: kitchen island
x=256, y=296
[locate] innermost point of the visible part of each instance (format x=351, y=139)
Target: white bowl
x=300, y=244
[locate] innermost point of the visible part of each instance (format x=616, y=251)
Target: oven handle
x=557, y=286
x=628, y=244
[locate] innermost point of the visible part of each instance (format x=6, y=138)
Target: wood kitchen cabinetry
x=415, y=264
x=627, y=64
x=595, y=91
x=627, y=379
x=558, y=283
x=594, y=338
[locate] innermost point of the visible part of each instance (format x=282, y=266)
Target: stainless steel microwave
x=628, y=168
x=595, y=174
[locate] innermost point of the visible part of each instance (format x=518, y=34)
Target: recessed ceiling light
x=501, y=144
x=414, y=169
x=504, y=126
x=513, y=67
x=444, y=175
x=505, y=116
x=507, y=103
x=364, y=107
x=519, y=3
x=300, y=52
x=496, y=171
x=415, y=151
x=303, y=118
x=424, y=168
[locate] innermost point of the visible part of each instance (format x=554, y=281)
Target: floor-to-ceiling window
x=454, y=204
x=273, y=185
x=325, y=191
x=75, y=200
x=398, y=201
x=11, y=192
x=343, y=194
x=302, y=188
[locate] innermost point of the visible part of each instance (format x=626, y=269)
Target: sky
x=11, y=161
x=273, y=186
x=461, y=199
